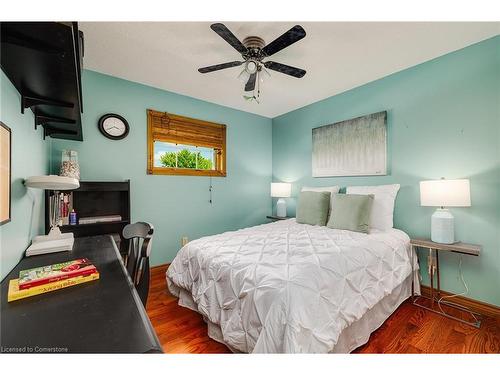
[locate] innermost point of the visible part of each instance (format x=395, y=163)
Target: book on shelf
x=62, y=203
x=15, y=293
x=55, y=272
x=99, y=219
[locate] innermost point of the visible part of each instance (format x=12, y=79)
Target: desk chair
x=140, y=238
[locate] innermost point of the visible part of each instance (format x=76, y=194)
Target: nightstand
x=433, y=268
x=277, y=218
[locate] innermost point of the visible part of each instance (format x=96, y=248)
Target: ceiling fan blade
x=213, y=68
x=293, y=35
x=228, y=36
x=250, y=85
x=286, y=69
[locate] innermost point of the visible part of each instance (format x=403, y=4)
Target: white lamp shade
x=52, y=182
x=445, y=193
x=281, y=189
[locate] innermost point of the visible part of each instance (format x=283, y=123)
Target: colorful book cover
x=15, y=293
x=55, y=272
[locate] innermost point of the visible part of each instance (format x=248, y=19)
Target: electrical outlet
x=184, y=241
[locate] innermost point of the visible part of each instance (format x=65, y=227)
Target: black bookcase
x=97, y=199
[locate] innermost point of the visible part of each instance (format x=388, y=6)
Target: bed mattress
x=286, y=287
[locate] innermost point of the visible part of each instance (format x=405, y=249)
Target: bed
x=286, y=287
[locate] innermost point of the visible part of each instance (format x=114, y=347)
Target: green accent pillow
x=313, y=207
x=351, y=212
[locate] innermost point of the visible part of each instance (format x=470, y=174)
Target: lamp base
x=281, y=208
x=442, y=227
x=53, y=242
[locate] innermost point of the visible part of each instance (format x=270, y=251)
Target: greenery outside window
x=180, y=145
x=173, y=155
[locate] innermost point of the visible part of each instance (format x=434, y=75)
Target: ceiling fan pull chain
x=210, y=188
x=259, y=82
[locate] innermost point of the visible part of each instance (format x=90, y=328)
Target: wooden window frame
x=220, y=158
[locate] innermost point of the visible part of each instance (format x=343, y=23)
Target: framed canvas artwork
x=5, y=173
x=356, y=147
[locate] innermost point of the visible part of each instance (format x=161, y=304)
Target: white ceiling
x=338, y=56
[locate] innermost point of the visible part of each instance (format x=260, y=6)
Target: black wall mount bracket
x=28, y=101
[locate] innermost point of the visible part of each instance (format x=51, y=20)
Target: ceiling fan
x=253, y=50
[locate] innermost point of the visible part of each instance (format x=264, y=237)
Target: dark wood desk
x=102, y=316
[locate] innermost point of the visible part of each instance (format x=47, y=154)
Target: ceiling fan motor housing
x=254, y=44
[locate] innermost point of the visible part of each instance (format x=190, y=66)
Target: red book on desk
x=55, y=272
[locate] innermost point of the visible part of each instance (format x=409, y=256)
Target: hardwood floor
x=179, y=329
x=409, y=330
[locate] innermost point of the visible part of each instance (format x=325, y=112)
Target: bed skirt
x=353, y=336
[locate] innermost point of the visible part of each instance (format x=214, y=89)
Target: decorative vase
x=69, y=164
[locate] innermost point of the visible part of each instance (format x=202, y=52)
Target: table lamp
x=54, y=241
x=444, y=193
x=281, y=190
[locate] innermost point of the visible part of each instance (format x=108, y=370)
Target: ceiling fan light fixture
x=263, y=75
x=243, y=76
x=251, y=66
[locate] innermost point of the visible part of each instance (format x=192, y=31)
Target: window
x=180, y=145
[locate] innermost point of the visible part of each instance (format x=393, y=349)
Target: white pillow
x=383, y=204
x=331, y=189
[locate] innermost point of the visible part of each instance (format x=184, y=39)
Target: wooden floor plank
x=409, y=329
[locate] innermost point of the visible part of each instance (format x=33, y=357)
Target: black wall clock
x=113, y=126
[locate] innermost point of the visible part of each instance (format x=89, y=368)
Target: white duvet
x=286, y=287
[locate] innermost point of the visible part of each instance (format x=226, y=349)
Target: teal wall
x=176, y=205
x=29, y=157
x=443, y=120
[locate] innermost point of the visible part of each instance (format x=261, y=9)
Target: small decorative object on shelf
x=69, y=164
x=73, y=218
